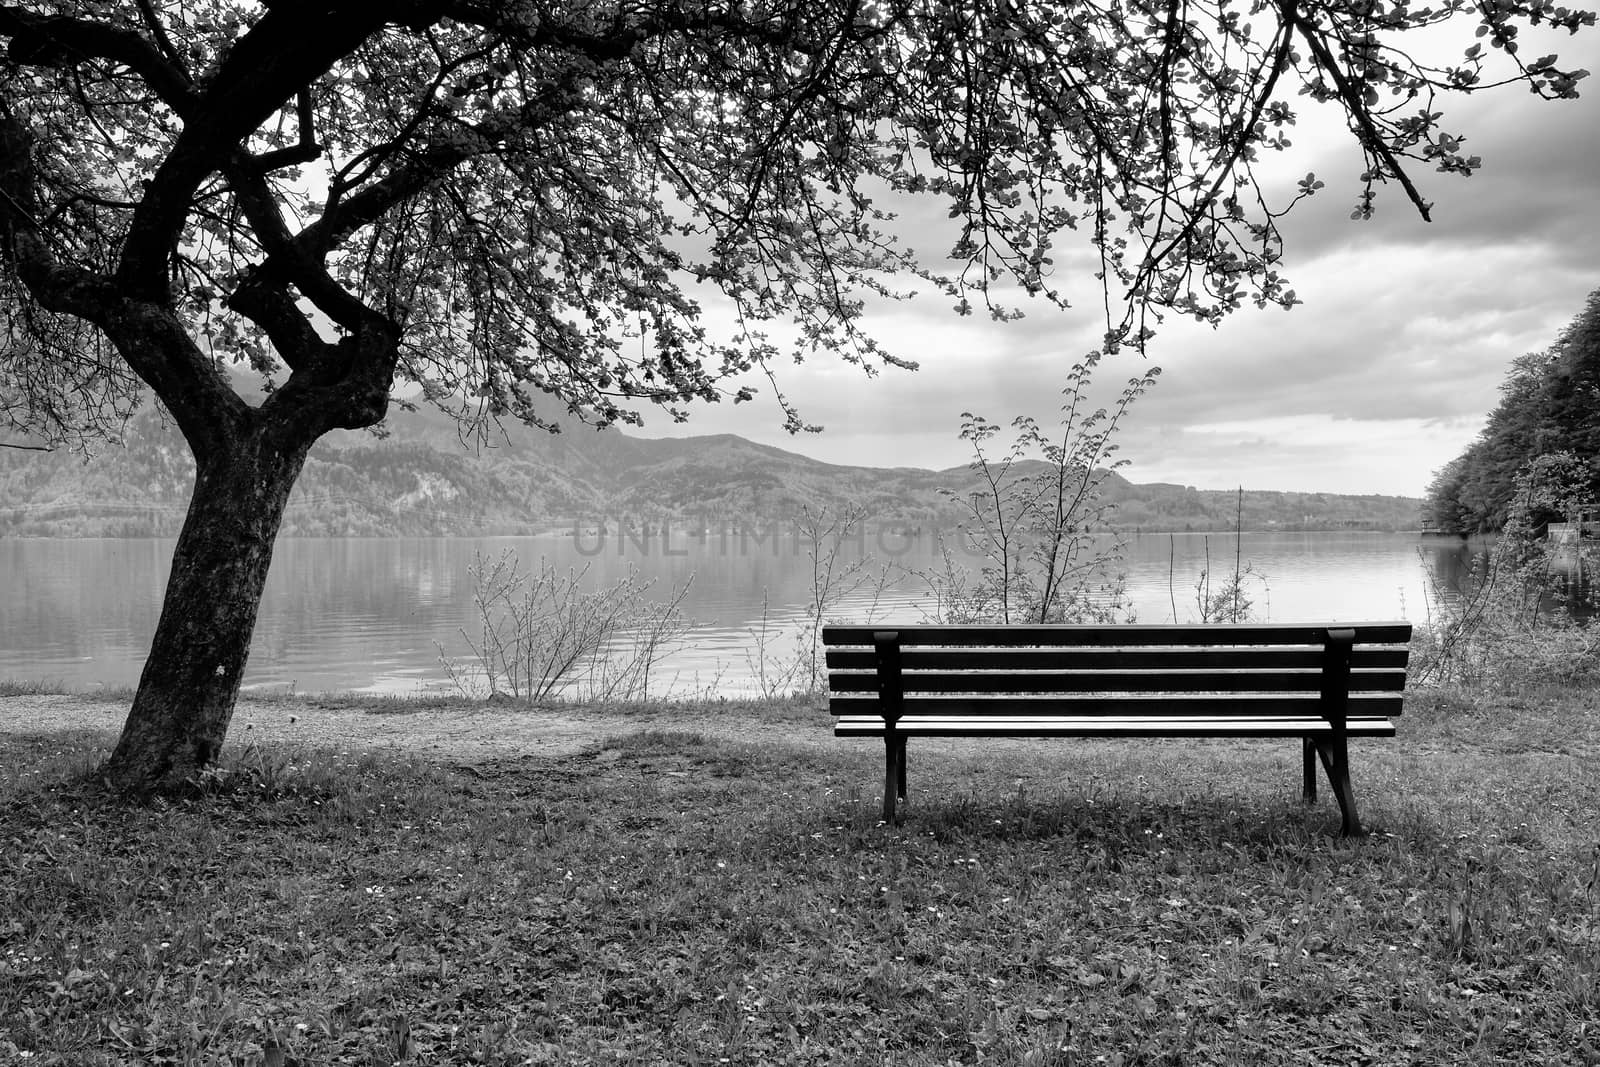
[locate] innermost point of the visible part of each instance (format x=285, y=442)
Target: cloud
x=1384, y=373
x=1402, y=345
x=1537, y=183
x=1296, y=453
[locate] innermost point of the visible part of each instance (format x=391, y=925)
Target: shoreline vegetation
x=669, y=892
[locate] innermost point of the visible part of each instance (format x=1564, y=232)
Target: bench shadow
x=1254, y=825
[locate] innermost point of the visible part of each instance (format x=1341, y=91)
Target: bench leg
x=1336, y=761
x=1308, y=770
x=900, y=770
x=894, y=775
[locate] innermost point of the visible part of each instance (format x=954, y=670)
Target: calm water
x=371, y=614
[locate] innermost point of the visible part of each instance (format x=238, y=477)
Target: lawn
x=667, y=897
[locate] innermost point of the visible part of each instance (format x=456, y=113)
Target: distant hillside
x=420, y=480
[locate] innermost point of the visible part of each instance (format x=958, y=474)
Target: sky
x=1385, y=371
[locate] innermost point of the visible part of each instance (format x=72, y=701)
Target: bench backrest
x=1331, y=669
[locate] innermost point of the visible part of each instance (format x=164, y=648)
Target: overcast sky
x=1384, y=373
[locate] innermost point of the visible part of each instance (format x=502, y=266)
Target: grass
x=18, y=687
x=800, y=709
x=671, y=898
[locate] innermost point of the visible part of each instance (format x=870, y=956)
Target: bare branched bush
x=1229, y=596
x=653, y=630
x=774, y=662
x=836, y=580
x=541, y=635
x=1037, y=517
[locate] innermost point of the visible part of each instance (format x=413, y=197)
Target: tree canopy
x=1549, y=405
x=495, y=200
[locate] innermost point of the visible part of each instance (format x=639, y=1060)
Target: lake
x=371, y=615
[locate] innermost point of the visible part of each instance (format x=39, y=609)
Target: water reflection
x=1458, y=568
x=372, y=614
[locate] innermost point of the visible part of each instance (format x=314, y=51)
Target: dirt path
x=451, y=732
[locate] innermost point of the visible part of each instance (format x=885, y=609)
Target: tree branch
x=163, y=42
x=60, y=41
x=304, y=152
x=1280, y=61
x=55, y=285
x=281, y=54
x=150, y=339
x=428, y=164
x=1371, y=137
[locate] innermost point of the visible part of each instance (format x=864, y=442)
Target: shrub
x=1036, y=517
x=1526, y=615
x=542, y=635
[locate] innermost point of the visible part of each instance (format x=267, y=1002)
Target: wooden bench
x=1322, y=683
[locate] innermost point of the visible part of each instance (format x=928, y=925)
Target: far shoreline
x=566, y=533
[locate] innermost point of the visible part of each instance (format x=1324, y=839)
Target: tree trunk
x=187, y=691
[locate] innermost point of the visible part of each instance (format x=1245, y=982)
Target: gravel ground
x=450, y=732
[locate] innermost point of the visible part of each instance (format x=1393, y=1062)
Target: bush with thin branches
x=542, y=634
x=1525, y=614
x=1036, y=519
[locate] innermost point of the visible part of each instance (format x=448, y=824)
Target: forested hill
x=1549, y=411
x=421, y=480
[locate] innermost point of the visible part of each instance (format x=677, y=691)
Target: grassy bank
x=667, y=897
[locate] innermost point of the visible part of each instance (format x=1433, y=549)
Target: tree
x=1511, y=435
x=492, y=200
x=1572, y=395
x=1442, y=501
x=1549, y=404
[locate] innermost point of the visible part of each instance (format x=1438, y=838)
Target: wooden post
x=886, y=644
x=1334, y=749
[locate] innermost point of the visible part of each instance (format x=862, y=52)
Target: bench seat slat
x=1247, y=705
x=1095, y=726
x=1088, y=681
x=1149, y=658
x=1054, y=636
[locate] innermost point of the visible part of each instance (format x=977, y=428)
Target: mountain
x=421, y=479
